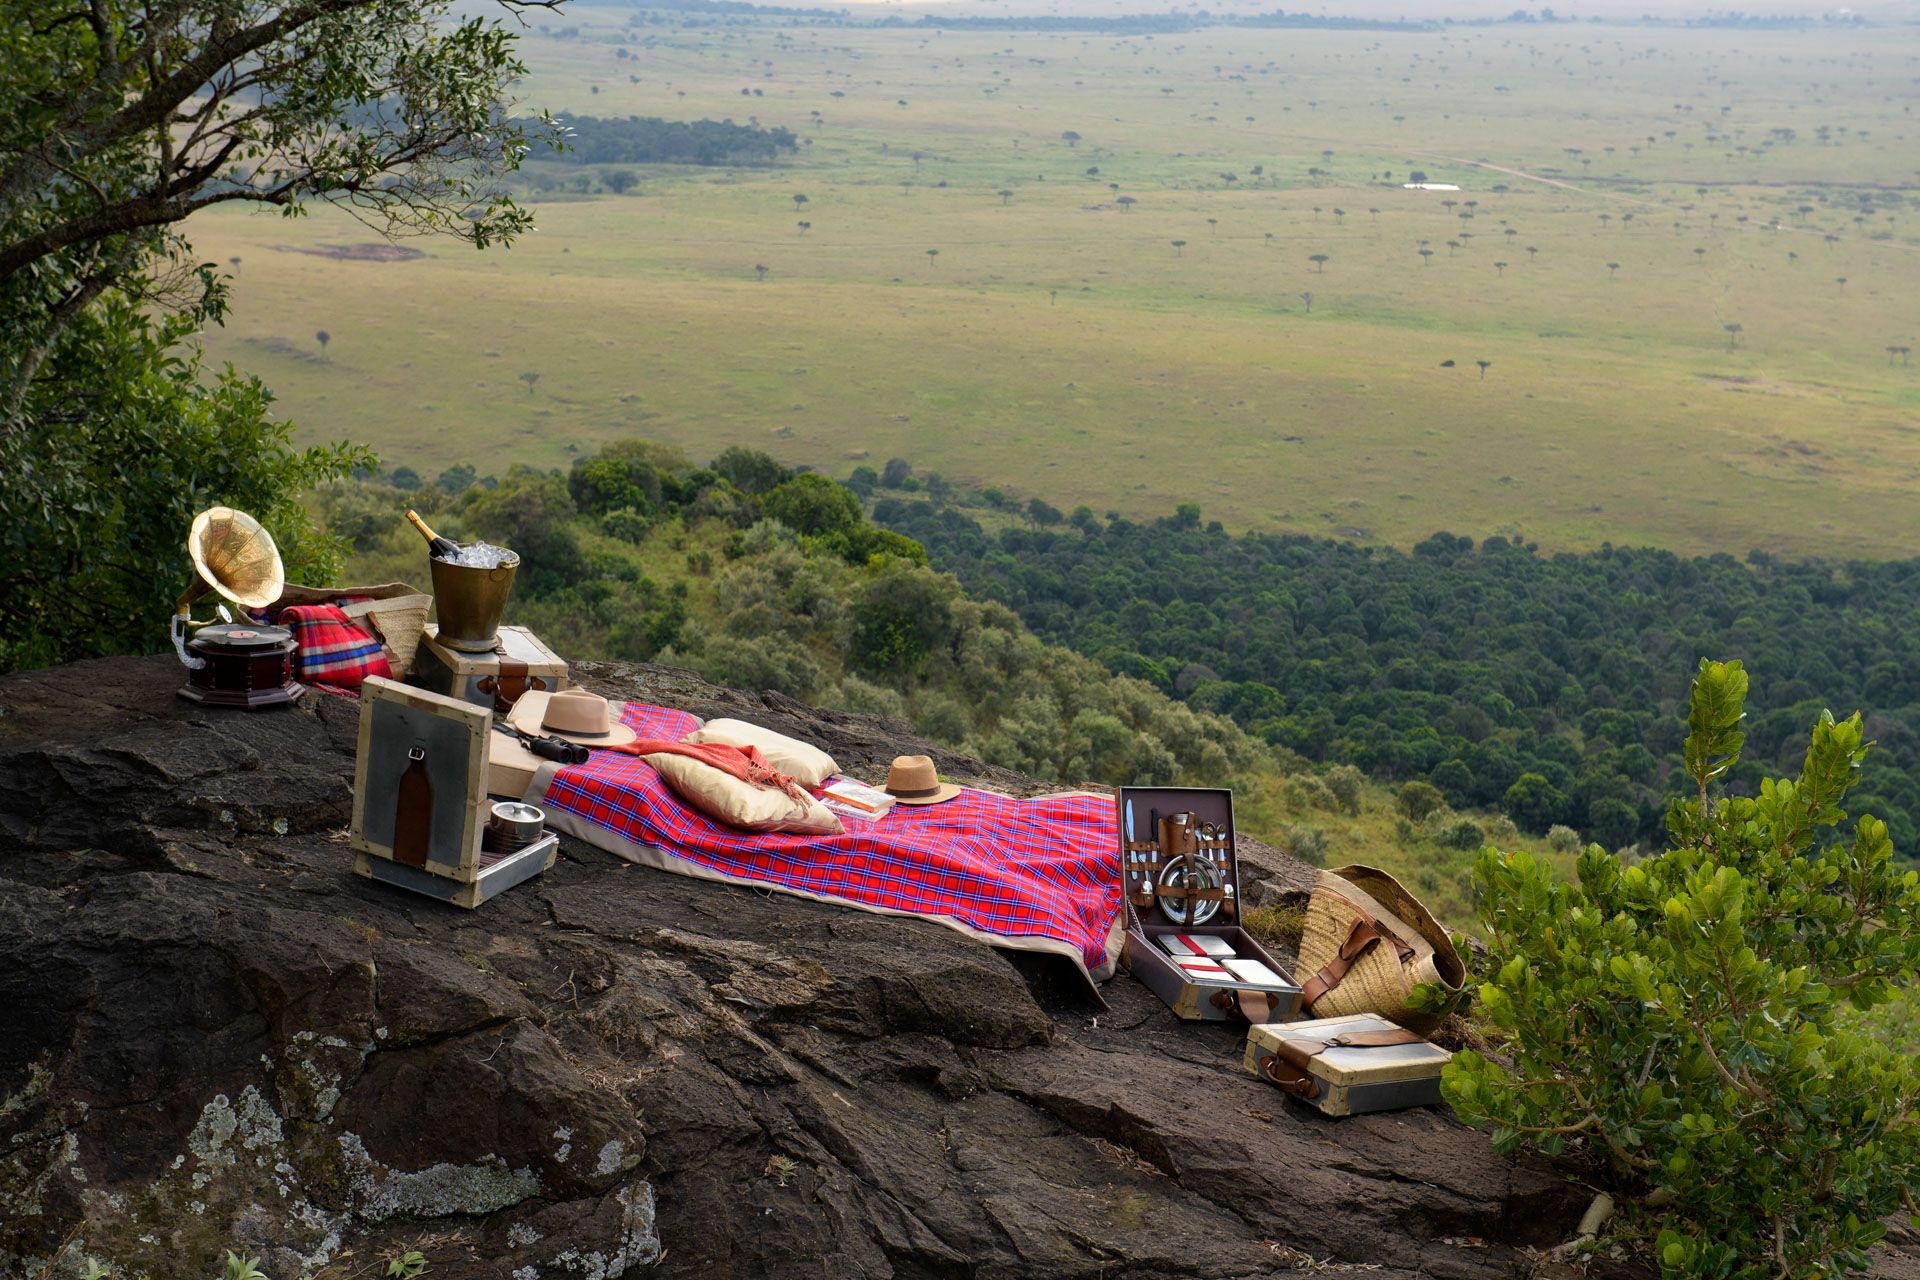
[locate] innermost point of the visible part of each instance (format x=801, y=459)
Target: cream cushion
x=727, y=799
x=807, y=765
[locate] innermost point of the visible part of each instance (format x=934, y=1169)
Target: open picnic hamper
x=420, y=803
x=1180, y=883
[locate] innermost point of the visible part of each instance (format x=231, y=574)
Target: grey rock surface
x=212, y=1035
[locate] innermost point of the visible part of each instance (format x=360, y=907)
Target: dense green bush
x=1683, y=1018
x=1417, y=799
x=98, y=501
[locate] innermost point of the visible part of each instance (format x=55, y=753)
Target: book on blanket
x=850, y=796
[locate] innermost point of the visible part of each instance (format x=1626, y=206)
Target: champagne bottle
x=438, y=547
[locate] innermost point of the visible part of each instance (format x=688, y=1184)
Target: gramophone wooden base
x=248, y=678
x=248, y=698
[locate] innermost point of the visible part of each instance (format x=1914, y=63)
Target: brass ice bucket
x=468, y=602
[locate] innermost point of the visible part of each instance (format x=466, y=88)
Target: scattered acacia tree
x=1682, y=1017
x=799, y=200
x=118, y=120
x=619, y=181
x=1484, y=366
x=529, y=378
x=1308, y=299
x=1005, y=195
x=1733, y=334
x=1319, y=261
x=760, y=271
x=1179, y=247
x=1500, y=268
x=323, y=338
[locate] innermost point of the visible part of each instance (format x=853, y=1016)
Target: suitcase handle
x=1286, y=1066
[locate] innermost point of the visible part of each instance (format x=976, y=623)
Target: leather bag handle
x=1364, y=934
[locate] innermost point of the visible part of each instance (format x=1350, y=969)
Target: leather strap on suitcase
x=1286, y=1066
x=1253, y=1007
x=512, y=681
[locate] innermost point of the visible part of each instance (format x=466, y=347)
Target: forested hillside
x=764, y=577
x=1552, y=687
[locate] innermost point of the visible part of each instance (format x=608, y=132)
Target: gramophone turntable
x=234, y=664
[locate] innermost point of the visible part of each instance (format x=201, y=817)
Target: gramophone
x=233, y=664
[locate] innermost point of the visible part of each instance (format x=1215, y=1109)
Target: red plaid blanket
x=334, y=649
x=1049, y=867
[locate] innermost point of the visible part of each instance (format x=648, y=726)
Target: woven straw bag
x=396, y=611
x=1366, y=944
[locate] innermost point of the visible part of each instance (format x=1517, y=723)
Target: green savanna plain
x=972, y=296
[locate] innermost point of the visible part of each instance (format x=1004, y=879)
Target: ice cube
x=481, y=555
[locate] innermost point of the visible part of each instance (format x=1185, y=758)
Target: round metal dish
x=1188, y=911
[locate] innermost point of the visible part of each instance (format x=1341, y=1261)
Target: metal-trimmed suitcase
x=1348, y=1065
x=518, y=662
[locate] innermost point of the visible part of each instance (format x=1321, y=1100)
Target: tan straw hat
x=912, y=780
x=573, y=714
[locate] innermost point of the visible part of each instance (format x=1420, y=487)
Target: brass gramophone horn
x=235, y=556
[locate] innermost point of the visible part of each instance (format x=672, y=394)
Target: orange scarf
x=744, y=763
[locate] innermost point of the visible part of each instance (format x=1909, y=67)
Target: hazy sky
x=1874, y=10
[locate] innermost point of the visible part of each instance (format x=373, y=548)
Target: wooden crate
x=1352, y=1079
x=1156, y=910
x=519, y=661
x=452, y=737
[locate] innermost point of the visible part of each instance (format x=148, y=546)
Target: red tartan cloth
x=333, y=648
x=1049, y=867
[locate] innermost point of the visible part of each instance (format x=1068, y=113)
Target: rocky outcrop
x=212, y=1035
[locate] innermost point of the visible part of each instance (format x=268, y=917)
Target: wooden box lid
x=451, y=734
x=1134, y=810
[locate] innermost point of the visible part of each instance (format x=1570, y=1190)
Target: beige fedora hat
x=912, y=780
x=573, y=714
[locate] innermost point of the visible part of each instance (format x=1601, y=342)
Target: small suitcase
x=1180, y=880
x=517, y=663
x=1348, y=1065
